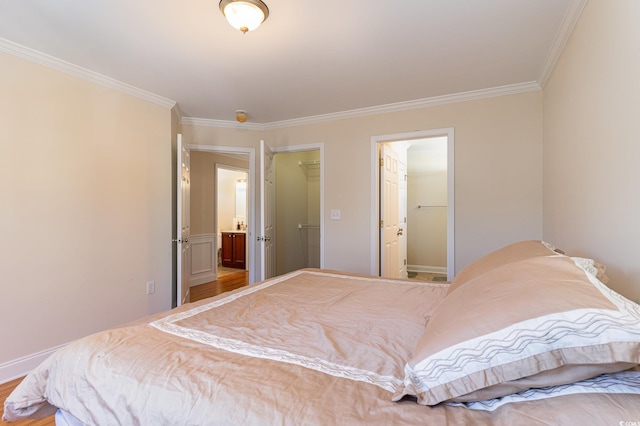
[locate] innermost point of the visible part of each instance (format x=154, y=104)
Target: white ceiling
x=310, y=58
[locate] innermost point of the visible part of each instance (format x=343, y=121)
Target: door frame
x=375, y=192
x=311, y=147
x=251, y=225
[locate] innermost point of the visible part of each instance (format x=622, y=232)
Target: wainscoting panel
x=203, y=259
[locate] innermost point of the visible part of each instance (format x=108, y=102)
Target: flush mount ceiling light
x=244, y=15
x=241, y=116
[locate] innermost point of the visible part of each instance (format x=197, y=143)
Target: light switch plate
x=335, y=214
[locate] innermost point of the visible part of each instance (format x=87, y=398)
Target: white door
x=389, y=214
x=402, y=206
x=267, y=214
x=184, y=231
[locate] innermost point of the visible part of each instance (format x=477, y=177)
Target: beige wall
x=498, y=171
x=592, y=143
x=85, y=187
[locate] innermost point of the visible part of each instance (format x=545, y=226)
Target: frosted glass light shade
x=244, y=15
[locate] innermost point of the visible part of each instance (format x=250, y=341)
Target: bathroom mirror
x=241, y=200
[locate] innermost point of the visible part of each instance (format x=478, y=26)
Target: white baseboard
x=16, y=368
x=428, y=269
x=202, y=279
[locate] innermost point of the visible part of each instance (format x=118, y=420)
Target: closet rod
x=420, y=207
x=307, y=225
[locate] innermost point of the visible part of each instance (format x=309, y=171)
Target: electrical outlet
x=151, y=287
x=335, y=214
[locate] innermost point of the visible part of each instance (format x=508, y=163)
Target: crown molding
x=66, y=67
x=24, y=52
x=381, y=109
x=177, y=112
x=206, y=122
x=410, y=105
x=562, y=37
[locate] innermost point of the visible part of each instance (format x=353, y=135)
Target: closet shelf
x=308, y=225
x=309, y=163
x=311, y=168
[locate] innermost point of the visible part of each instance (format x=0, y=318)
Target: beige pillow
x=537, y=322
x=509, y=254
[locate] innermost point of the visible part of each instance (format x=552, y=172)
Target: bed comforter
x=309, y=347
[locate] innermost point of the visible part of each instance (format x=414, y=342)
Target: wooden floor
x=228, y=282
x=5, y=390
x=428, y=276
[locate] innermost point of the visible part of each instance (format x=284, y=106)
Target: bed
x=525, y=335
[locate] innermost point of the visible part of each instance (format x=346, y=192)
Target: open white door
x=390, y=230
x=267, y=214
x=402, y=205
x=184, y=230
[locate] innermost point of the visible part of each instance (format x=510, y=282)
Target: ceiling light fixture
x=241, y=116
x=244, y=15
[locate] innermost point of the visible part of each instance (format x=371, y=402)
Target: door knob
x=399, y=232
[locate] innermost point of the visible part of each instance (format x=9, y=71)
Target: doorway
x=297, y=200
x=231, y=218
x=205, y=215
x=298, y=207
x=423, y=235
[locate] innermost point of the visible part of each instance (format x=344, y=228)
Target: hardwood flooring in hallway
x=227, y=282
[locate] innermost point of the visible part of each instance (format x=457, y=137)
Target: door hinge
x=405, y=262
x=381, y=224
x=381, y=162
